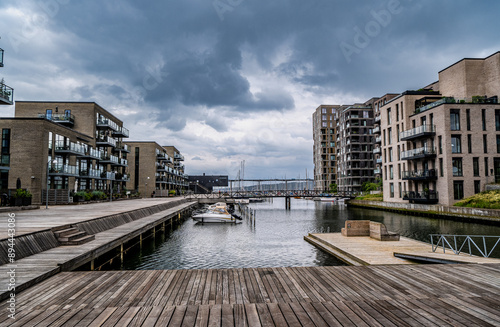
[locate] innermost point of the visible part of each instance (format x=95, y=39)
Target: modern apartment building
x=324, y=149
x=6, y=92
x=64, y=146
x=154, y=168
x=355, y=163
x=442, y=143
x=377, y=150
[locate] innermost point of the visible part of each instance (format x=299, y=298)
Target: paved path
x=393, y=296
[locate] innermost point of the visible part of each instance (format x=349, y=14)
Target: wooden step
x=66, y=232
x=81, y=240
x=70, y=237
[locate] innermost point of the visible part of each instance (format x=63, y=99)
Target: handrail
x=443, y=239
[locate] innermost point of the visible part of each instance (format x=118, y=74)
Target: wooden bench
x=373, y=229
x=356, y=228
x=379, y=232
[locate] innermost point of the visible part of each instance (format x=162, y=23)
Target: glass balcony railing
x=6, y=94
x=90, y=173
x=418, y=153
x=1, y=57
x=66, y=170
x=420, y=174
x=376, y=130
x=66, y=118
x=121, y=131
x=73, y=148
x=424, y=130
x=106, y=140
x=108, y=123
x=379, y=160
x=427, y=196
x=179, y=156
x=110, y=159
x=376, y=150
x=108, y=175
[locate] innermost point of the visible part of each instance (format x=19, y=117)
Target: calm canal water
x=276, y=240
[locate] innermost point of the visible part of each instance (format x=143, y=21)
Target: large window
x=477, y=187
x=456, y=144
x=467, y=114
x=455, y=119
x=389, y=116
x=458, y=190
x=391, y=189
x=497, y=119
x=469, y=142
x=440, y=144
x=498, y=143
x=457, y=167
x=483, y=118
x=475, y=166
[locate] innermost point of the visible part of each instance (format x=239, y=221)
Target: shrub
x=485, y=200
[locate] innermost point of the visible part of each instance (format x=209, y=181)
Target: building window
x=485, y=143
x=440, y=144
x=390, y=154
x=48, y=114
x=497, y=119
x=455, y=119
x=467, y=113
x=457, y=167
x=486, y=167
x=400, y=190
x=136, y=170
x=391, y=187
x=397, y=112
x=389, y=116
x=323, y=110
x=389, y=135
x=458, y=190
x=441, y=167
x=483, y=118
x=391, y=172
x=477, y=187
x=456, y=144
x=475, y=166
x=469, y=142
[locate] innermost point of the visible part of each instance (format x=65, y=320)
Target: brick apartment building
x=155, y=168
x=437, y=144
x=78, y=144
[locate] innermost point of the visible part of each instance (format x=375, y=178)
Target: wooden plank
x=153, y=316
x=327, y=316
x=102, y=317
x=276, y=315
x=264, y=315
x=288, y=314
x=190, y=316
x=202, y=316
x=215, y=316
x=240, y=319
x=252, y=315
x=125, y=318
x=140, y=317
x=301, y=314
x=164, y=318
x=227, y=317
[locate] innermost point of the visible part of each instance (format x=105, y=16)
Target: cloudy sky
x=233, y=80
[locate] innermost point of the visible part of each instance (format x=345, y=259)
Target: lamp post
x=146, y=187
x=47, y=191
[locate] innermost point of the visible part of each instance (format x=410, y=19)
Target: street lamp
x=146, y=188
x=47, y=191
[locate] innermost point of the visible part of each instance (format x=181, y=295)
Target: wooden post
x=121, y=253
x=92, y=265
x=287, y=203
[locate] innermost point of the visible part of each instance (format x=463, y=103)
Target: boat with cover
x=216, y=213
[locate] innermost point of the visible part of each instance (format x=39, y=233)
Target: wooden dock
x=400, y=295
x=363, y=250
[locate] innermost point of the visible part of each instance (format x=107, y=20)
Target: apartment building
x=6, y=92
x=355, y=139
x=324, y=121
x=154, y=168
x=63, y=146
x=377, y=132
x=442, y=143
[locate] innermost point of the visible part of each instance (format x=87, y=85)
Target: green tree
x=333, y=188
x=369, y=186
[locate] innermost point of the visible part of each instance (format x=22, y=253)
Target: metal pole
x=47, y=191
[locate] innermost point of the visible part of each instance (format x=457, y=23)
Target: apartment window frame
x=458, y=190
x=485, y=143
x=456, y=143
x=440, y=144
x=475, y=166
x=477, y=186
x=467, y=114
x=454, y=119
x=469, y=143
x=457, y=166
x=483, y=119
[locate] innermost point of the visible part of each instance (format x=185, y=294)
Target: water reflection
x=276, y=240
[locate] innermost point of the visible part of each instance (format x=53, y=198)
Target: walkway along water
x=37, y=251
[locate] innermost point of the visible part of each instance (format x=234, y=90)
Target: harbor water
x=276, y=237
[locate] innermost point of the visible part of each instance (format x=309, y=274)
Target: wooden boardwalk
x=399, y=295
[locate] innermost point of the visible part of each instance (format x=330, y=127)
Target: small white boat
x=216, y=213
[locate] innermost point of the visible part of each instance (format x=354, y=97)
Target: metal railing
x=424, y=151
x=6, y=93
x=417, y=130
x=458, y=243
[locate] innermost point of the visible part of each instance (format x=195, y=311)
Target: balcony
x=63, y=119
x=71, y=148
x=378, y=160
x=425, y=197
x=179, y=157
x=64, y=170
x=378, y=139
x=105, y=123
x=162, y=180
x=120, y=146
x=122, y=177
x=415, y=175
x=90, y=173
x=377, y=119
x=6, y=95
x=108, y=175
x=5, y=162
x=121, y=162
x=1, y=57
x=376, y=150
x=376, y=130
x=425, y=152
x=417, y=132
x=109, y=159
x=162, y=168
x=377, y=171
x=121, y=132
x=106, y=141
x=92, y=154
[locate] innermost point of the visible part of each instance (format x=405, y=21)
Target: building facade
x=79, y=147
x=324, y=121
x=442, y=143
x=355, y=163
x=154, y=168
x=6, y=92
